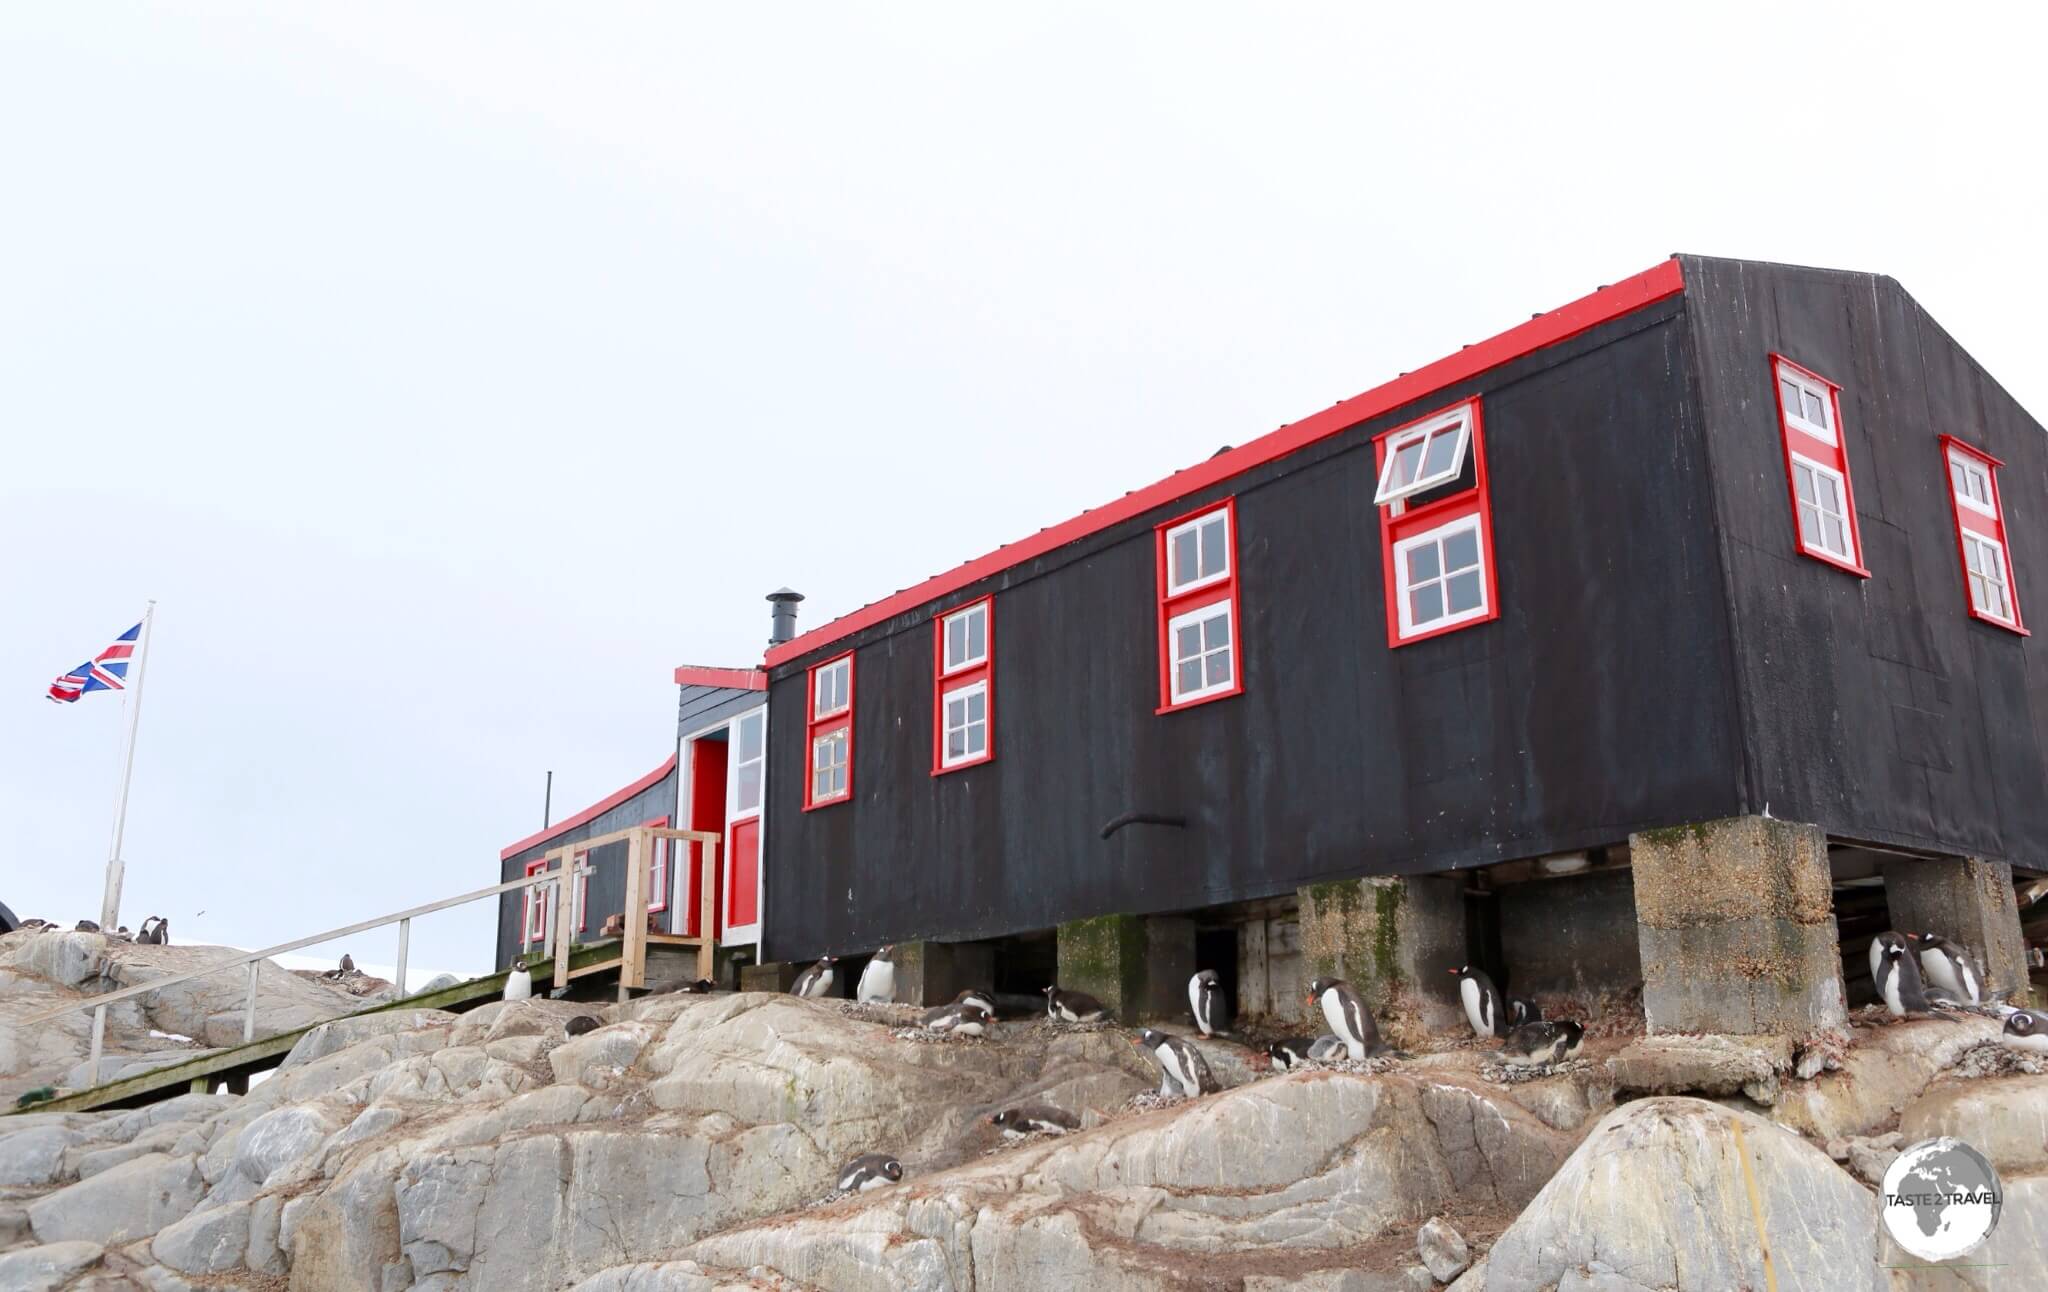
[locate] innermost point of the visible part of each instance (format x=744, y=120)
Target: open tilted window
x=657, y=868
x=540, y=904
x=1980, y=533
x=1817, y=466
x=829, y=733
x=1200, y=656
x=963, y=687
x=1436, y=526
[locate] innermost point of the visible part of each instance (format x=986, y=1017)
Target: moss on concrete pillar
x=932, y=973
x=1138, y=965
x=1394, y=938
x=1736, y=921
x=1966, y=899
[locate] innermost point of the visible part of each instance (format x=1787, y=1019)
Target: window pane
x=1809, y=524
x=750, y=786
x=1212, y=547
x=1958, y=476
x=1461, y=550
x=1426, y=604
x=1442, y=446
x=1816, y=410
x=1978, y=598
x=956, y=641
x=1463, y=590
x=1216, y=632
x=1218, y=666
x=977, y=634
x=1829, y=492
x=1406, y=459
x=1188, y=676
x=977, y=706
x=750, y=738
x=1183, y=570
x=956, y=712
x=1837, y=538
x=1973, y=556
x=977, y=738
x=1422, y=563
x=1187, y=640
x=1802, y=481
x=956, y=744
x=1790, y=393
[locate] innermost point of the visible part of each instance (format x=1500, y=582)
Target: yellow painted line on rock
x=1756, y=1205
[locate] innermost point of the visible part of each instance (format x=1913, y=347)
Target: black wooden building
x=1721, y=539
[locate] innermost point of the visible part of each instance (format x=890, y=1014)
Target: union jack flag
x=106, y=671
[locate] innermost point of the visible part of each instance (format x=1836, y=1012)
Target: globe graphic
x=1940, y=1199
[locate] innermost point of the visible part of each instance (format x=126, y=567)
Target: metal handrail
x=562, y=876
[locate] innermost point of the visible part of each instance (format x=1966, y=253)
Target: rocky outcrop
x=1676, y=1193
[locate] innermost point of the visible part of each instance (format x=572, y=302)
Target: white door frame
x=736, y=815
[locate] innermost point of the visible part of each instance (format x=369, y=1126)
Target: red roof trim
x=738, y=679
x=1625, y=297
x=592, y=812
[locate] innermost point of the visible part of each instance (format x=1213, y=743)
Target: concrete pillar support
x=1395, y=939
x=1736, y=921
x=773, y=976
x=932, y=973
x=1138, y=965
x=1966, y=899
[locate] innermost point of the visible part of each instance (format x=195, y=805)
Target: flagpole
x=110, y=904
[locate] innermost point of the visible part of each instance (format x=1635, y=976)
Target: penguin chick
x=1345, y=1011
x=1073, y=1006
x=878, y=979
x=1523, y=1009
x=1205, y=997
x=1033, y=1119
x=1327, y=1049
x=869, y=1171
x=1541, y=1044
x=960, y=1020
x=1289, y=1054
x=817, y=980
x=1182, y=1069
x=1947, y=965
x=2026, y=1029
x=976, y=996
x=1481, y=1000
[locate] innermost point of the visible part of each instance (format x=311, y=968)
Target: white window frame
x=951, y=666
x=540, y=906
x=2003, y=582
x=657, y=876
x=841, y=669
x=1973, y=471
x=1795, y=412
x=1200, y=615
x=579, y=891
x=1457, y=421
x=1403, y=587
x=1841, y=495
x=843, y=736
x=946, y=728
x=1177, y=586
x=737, y=742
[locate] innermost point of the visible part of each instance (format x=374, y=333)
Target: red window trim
x=814, y=727
x=1989, y=527
x=658, y=852
x=536, y=895
x=1834, y=456
x=1411, y=522
x=944, y=683
x=1172, y=605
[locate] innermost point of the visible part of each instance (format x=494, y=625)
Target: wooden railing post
x=633, y=948
x=565, y=893
x=707, y=947
x=404, y=945
x=249, y=1007
x=99, y=1041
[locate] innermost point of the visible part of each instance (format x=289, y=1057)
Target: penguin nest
x=874, y=1012
x=1046, y=1028
x=1365, y=1067
x=837, y=1195
x=1992, y=1059
x=1150, y=1100
x=918, y=1036
x=1502, y=1074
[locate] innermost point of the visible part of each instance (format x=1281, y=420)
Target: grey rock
x=47, y=1268
x=283, y=1137
x=617, y=1046
x=206, y=1242
x=1442, y=1249
x=1703, y=1065
x=129, y=1201
x=35, y=1156
x=13, y=1225
x=2005, y=1118
x=340, y=1034
x=439, y=982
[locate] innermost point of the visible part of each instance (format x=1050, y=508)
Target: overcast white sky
x=449, y=374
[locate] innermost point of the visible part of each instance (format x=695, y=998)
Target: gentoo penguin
x=878, y=980
x=1947, y=966
x=976, y=996
x=701, y=987
x=1327, y=1049
x=1877, y=946
x=1898, y=979
x=964, y=1020
x=1073, y=1006
x=1034, y=1119
x=1205, y=997
x=519, y=982
x=1521, y=1009
x=1182, y=1069
x=346, y=967
x=581, y=1024
x=869, y=1171
x=1541, y=1043
x=1344, y=1010
x=122, y=933
x=87, y=926
x=156, y=932
x=2027, y=1029
x=1287, y=1055
x=1482, y=1002
x=816, y=981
